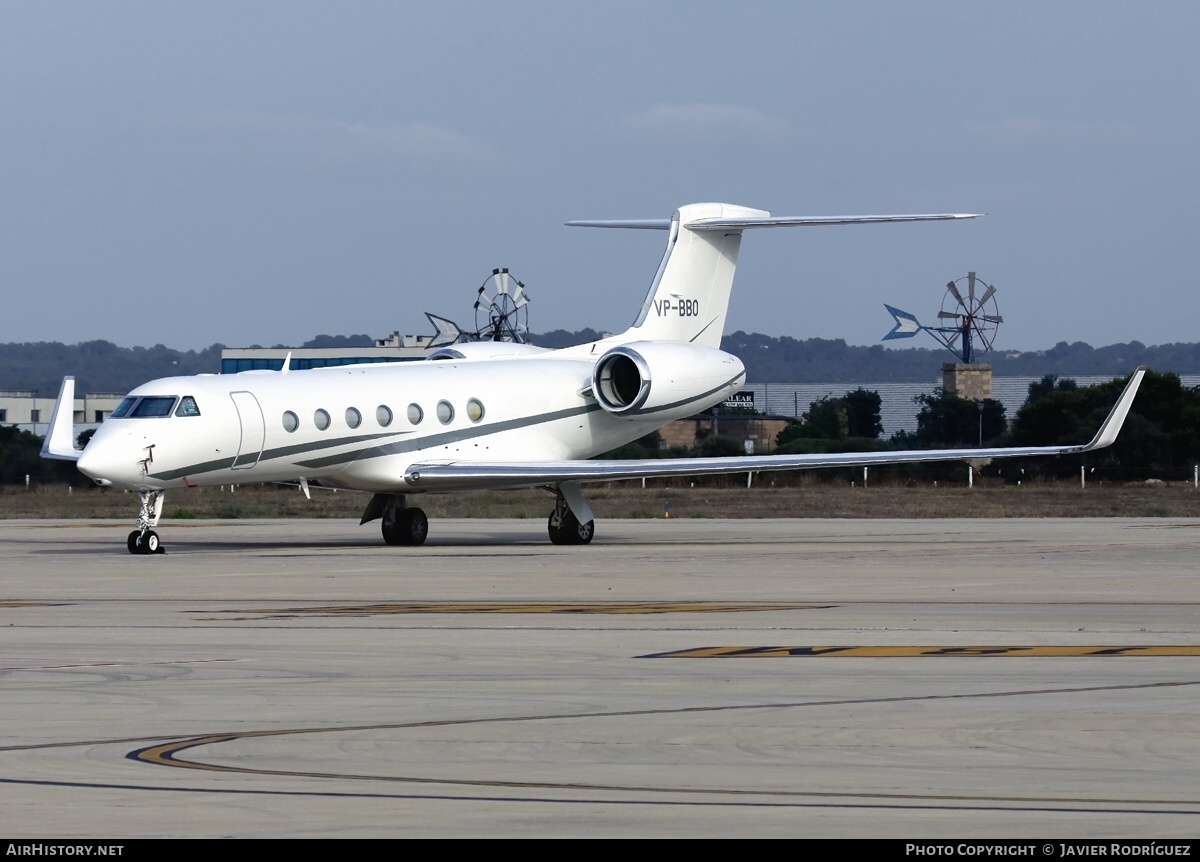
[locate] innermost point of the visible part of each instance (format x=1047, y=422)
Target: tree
x=826, y=419
x=862, y=414
x=846, y=424
x=948, y=421
x=20, y=456
x=1161, y=434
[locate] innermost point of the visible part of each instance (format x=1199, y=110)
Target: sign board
x=740, y=400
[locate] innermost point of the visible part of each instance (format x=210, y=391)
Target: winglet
x=1108, y=432
x=60, y=438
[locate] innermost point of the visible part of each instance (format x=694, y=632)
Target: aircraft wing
x=463, y=475
x=60, y=439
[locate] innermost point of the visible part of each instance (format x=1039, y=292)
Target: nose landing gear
x=144, y=540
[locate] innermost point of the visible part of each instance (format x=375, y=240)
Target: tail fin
x=689, y=298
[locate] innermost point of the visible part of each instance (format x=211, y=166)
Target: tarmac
x=896, y=679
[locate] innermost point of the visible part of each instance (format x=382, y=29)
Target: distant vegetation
x=100, y=366
x=818, y=360
x=1160, y=438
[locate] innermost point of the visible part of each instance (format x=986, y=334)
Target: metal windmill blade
x=501, y=308
x=969, y=321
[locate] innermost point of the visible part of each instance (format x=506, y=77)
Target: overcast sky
x=191, y=173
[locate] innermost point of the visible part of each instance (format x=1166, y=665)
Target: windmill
x=503, y=307
x=501, y=314
x=966, y=324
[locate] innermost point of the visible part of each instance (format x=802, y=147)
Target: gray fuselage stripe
x=432, y=440
x=416, y=443
x=267, y=454
x=411, y=445
x=676, y=404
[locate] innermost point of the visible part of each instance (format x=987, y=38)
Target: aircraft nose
x=104, y=463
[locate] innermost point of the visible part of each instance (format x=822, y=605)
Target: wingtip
x=1111, y=427
x=59, y=442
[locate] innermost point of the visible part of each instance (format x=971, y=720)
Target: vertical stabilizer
x=689, y=298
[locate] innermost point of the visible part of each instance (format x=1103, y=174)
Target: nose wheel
x=144, y=540
x=144, y=543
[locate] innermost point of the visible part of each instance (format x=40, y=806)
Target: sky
x=263, y=172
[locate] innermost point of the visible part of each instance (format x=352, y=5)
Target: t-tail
x=689, y=298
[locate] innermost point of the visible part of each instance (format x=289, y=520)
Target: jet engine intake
x=664, y=378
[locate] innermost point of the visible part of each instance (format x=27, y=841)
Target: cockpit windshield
x=187, y=407
x=153, y=406
x=123, y=408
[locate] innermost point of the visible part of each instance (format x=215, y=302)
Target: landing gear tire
x=568, y=530
x=143, y=540
x=144, y=543
x=411, y=527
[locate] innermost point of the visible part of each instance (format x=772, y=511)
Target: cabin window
x=474, y=409
x=123, y=408
x=353, y=417
x=321, y=420
x=445, y=412
x=154, y=406
x=415, y=414
x=383, y=415
x=187, y=407
x=290, y=421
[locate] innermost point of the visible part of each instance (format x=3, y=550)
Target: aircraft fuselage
x=362, y=426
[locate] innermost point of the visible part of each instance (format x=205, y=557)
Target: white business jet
x=476, y=415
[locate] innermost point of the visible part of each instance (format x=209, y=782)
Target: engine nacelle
x=665, y=378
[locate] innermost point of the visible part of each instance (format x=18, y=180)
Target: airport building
x=394, y=348
x=31, y=411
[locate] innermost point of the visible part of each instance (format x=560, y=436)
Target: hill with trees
x=100, y=366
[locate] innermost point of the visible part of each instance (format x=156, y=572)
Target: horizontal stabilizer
x=771, y=221
x=807, y=221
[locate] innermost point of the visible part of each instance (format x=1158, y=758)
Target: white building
x=31, y=411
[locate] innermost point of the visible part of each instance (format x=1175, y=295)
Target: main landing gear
x=571, y=522
x=144, y=540
x=404, y=525
x=565, y=528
